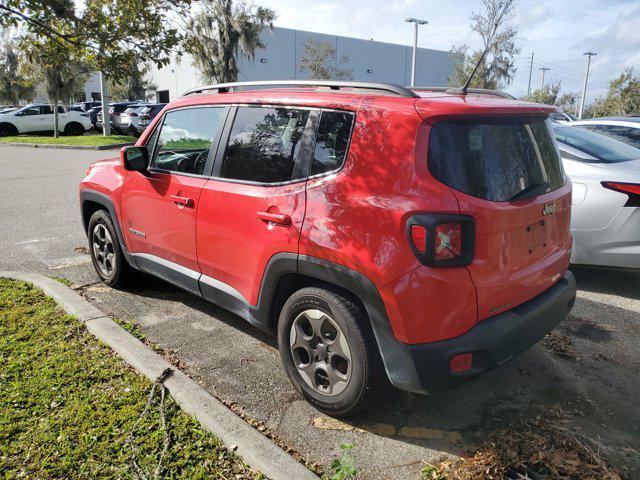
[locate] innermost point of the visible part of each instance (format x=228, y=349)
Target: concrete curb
x=64, y=147
x=254, y=448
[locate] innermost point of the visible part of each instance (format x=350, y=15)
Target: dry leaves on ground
x=538, y=449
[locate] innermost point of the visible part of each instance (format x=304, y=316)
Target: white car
x=624, y=129
x=605, y=206
x=36, y=118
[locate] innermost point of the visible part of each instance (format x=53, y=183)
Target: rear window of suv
x=495, y=158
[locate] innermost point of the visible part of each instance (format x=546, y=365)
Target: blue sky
x=558, y=32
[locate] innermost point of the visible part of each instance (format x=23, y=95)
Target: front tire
x=6, y=130
x=106, y=253
x=329, y=352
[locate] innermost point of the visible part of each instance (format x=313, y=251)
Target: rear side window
x=331, y=142
x=628, y=135
x=263, y=144
x=602, y=147
x=185, y=139
x=495, y=159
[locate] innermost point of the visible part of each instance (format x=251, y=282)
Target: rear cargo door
x=506, y=173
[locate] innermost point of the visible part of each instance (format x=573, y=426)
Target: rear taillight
x=440, y=240
x=448, y=240
x=631, y=189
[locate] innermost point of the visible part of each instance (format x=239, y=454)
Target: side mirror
x=135, y=158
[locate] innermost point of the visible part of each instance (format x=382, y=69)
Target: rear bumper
x=425, y=368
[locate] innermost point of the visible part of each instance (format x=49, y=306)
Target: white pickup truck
x=37, y=118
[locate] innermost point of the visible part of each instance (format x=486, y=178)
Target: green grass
x=81, y=140
x=67, y=403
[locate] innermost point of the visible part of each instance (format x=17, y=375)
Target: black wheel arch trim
x=396, y=359
x=88, y=195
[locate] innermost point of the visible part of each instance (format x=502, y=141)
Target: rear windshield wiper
x=532, y=191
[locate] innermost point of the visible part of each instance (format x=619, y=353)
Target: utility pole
x=530, y=72
x=543, y=70
x=104, y=97
x=584, y=85
x=416, y=23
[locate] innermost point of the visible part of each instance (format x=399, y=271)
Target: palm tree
x=222, y=30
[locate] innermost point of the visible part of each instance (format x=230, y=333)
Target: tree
x=15, y=83
x=568, y=101
x=548, y=94
x=499, y=41
x=133, y=87
x=623, y=97
x=222, y=30
x=63, y=70
x=112, y=32
x=319, y=59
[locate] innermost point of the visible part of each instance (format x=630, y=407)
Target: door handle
x=277, y=218
x=182, y=202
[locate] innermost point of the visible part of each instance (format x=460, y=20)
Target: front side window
x=185, y=138
x=263, y=144
x=331, y=142
x=28, y=111
x=495, y=159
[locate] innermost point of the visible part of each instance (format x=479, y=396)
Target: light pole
x=586, y=79
x=415, y=22
x=543, y=70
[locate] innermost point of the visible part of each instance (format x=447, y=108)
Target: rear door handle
x=182, y=202
x=278, y=218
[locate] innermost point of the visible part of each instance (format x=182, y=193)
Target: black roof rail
x=458, y=91
x=332, y=84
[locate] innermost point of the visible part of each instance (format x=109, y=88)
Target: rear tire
x=106, y=253
x=329, y=352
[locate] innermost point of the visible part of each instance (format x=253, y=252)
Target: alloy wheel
x=103, y=249
x=320, y=352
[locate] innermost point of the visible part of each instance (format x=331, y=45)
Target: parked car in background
x=84, y=106
x=39, y=118
x=142, y=117
x=561, y=116
x=624, y=129
x=605, y=216
x=115, y=111
x=275, y=204
x=93, y=116
x=128, y=115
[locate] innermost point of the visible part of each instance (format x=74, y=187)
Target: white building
x=368, y=60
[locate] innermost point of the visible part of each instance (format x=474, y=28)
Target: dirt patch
x=560, y=345
x=533, y=449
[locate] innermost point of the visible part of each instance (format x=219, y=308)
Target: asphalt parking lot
x=596, y=390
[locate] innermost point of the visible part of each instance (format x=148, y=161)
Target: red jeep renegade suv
x=418, y=234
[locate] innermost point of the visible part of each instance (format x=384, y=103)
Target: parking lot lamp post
x=415, y=22
x=543, y=70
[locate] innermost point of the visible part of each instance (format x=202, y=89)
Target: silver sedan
x=605, y=212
